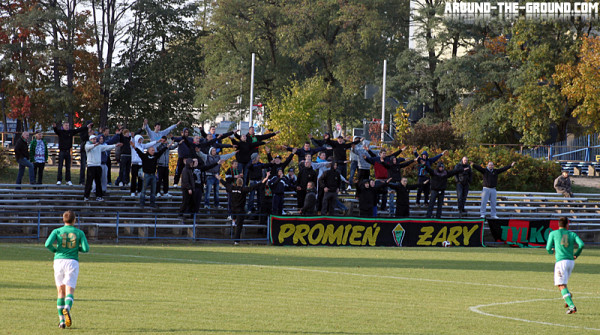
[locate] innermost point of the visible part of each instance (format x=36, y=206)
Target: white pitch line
x=477, y=308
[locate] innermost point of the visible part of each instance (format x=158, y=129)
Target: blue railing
x=118, y=224
x=583, y=148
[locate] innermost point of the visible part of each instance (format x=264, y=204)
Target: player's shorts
x=66, y=272
x=562, y=271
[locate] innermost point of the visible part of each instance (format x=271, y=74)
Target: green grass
x=584, y=189
x=214, y=289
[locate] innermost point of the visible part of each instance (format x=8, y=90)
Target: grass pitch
x=210, y=289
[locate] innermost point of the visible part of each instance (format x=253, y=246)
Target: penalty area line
x=477, y=309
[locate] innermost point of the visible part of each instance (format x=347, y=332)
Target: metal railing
x=119, y=224
x=583, y=148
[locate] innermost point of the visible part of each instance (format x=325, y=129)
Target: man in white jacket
x=136, y=164
x=94, y=151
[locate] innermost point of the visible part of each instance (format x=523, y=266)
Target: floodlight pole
x=383, y=101
x=252, y=88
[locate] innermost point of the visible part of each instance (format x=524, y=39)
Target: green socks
x=69, y=301
x=567, y=296
x=60, y=304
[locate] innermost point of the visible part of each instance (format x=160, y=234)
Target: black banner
x=351, y=231
x=522, y=233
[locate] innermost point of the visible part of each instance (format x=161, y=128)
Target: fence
x=583, y=148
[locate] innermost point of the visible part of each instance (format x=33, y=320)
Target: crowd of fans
x=254, y=186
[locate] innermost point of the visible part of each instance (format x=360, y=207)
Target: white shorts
x=562, y=271
x=66, y=272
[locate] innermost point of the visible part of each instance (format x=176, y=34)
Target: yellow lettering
x=369, y=237
x=301, y=232
x=286, y=231
x=454, y=234
x=423, y=238
x=332, y=236
x=441, y=236
x=320, y=229
x=346, y=232
x=467, y=233
x=356, y=234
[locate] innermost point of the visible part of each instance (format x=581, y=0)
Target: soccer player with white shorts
x=69, y=242
x=561, y=242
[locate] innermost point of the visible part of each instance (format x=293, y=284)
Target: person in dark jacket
x=187, y=187
x=309, y=204
x=367, y=199
x=65, y=143
x=278, y=185
x=276, y=162
x=125, y=157
x=424, y=161
x=331, y=181
x=394, y=167
x=162, y=180
x=490, y=181
x=22, y=157
x=323, y=143
x=245, y=148
x=306, y=175
x=149, y=164
x=253, y=138
x=255, y=175
x=183, y=152
x=340, y=156
x=200, y=179
x=38, y=155
x=237, y=194
x=463, y=180
x=439, y=183
x=403, y=201
x=305, y=150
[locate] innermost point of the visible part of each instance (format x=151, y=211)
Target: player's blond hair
x=69, y=217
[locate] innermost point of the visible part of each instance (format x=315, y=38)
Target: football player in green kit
x=69, y=242
x=561, y=242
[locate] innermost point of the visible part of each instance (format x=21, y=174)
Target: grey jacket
x=209, y=159
x=163, y=160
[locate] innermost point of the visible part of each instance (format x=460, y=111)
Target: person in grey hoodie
x=157, y=134
x=211, y=175
x=94, y=151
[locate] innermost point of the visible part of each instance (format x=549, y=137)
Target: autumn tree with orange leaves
x=579, y=81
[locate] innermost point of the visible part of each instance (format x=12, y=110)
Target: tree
x=299, y=111
x=158, y=70
x=343, y=42
x=22, y=61
x=579, y=82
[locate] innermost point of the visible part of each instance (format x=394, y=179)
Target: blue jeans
x=23, y=163
x=391, y=202
x=212, y=183
x=353, y=168
x=250, y=205
x=148, y=179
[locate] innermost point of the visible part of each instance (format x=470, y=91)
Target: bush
x=4, y=160
x=441, y=135
x=528, y=175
